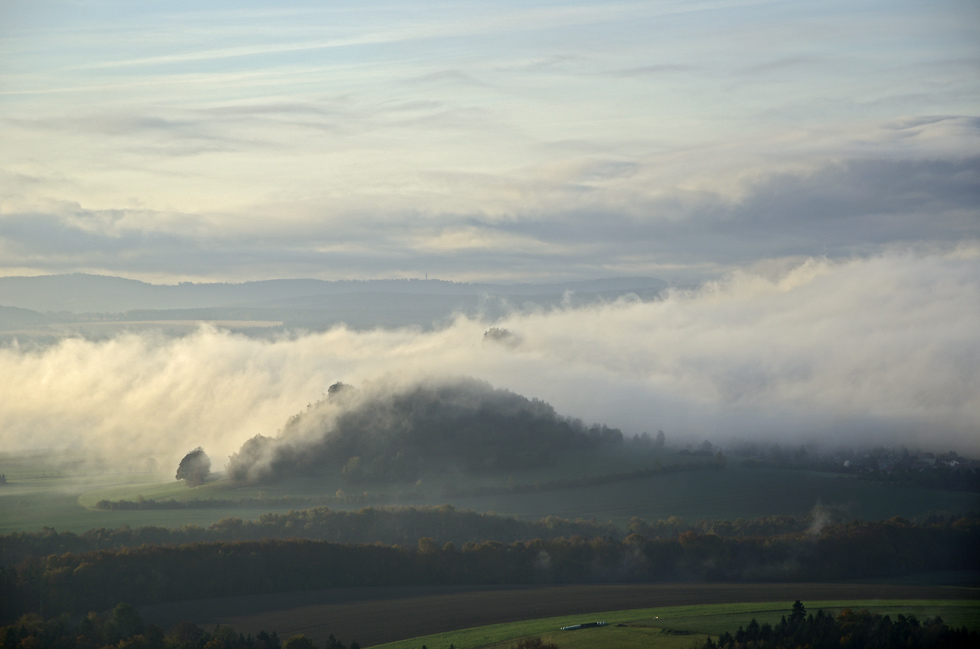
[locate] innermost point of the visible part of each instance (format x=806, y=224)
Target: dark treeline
x=123, y=628
x=212, y=503
x=964, y=478
x=674, y=526
x=386, y=525
x=151, y=574
x=849, y=630
x=393, y=525
x=896, y=466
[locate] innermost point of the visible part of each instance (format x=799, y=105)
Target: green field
x=55, y=503
x=61, y=495
x=677, y=626
x=486, y=614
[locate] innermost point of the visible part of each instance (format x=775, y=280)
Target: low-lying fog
x=881, y=349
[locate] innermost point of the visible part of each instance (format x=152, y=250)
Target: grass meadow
x=677, y=626
x=62, y=494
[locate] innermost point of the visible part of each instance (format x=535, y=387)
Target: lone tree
x=195, y=468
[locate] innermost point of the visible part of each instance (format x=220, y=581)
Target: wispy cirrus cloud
x=582, y=138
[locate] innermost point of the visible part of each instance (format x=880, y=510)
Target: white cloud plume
x=839, y=350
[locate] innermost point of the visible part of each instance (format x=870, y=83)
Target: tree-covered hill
x=380, y=434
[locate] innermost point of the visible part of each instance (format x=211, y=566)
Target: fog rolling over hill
x=880, y=349
x=391, y=433
x=805, y=179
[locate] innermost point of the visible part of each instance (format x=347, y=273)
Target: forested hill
x=383, y=436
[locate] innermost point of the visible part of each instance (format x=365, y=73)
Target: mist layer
x=862, y=350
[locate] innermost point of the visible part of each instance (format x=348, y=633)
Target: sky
x=806, y=174
x=503, y=141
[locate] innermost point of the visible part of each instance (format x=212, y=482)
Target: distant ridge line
x=83, y=292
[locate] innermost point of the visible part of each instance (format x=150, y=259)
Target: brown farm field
x=375, y=616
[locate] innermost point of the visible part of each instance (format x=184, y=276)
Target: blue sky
x=481, y=141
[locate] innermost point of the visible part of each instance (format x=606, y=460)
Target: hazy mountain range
x=31, y=302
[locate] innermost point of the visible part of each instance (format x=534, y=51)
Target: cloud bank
x=856, y=350
x=570, y=226
x=170, y=141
